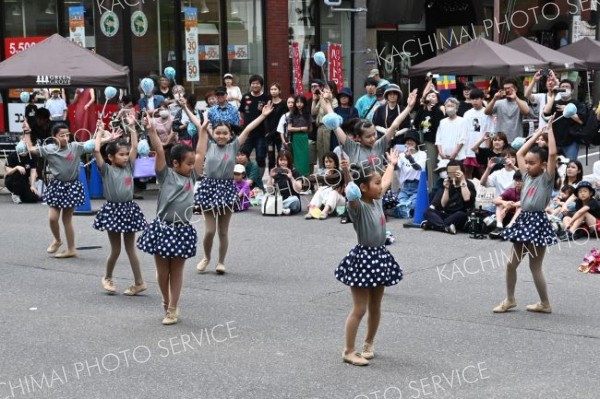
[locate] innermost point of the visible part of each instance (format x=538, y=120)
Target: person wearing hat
x=345, y=109
x=234, y=94
x=223, y=110
x=465, y=104
x=380, y=82
x=367, y=101
x=587, y=210
x=243, y=188
x=385, y=115
x=410, y=164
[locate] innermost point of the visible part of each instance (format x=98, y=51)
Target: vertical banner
x=77, y=25
x=297, y=70
x=335, y=64
x=192, y=67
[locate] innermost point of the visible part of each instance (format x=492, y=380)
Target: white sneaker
x=15, y=198
x=286, y=211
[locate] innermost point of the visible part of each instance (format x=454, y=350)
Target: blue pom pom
x=570, y=110
x=110, y=92
x=147, y=86
x=518, y=143
x=170, y=73
x=143, y=148
x=24, y=96
x=332, y=121
x=89, y=145
x=21, y=147
x=192, y=129
x=353, y=192
x=319, y=58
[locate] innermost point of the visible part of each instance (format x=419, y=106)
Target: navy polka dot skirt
x=64, y=194
x=368, y=267
x=169, y=240
x=531, y=227
x=216, y=193
x=120, y=217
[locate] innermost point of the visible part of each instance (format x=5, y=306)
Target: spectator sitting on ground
x=556, y=205
x=286, y=180
x=508, y=205
x=499, y=142
x=501, y=179
x=441, y=174
x=410, y=164
x=20, y=177
x=448, y=211
x=243, y=188
x=252, y=176
x=587, y=210
x=329, y=189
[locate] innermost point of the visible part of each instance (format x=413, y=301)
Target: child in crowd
x=65, y=191
x=369, y=267
x=119, y=215
x=170, y=237
x=501, y=179
x=411, y=163
x=252, y=175
x=556, y=206
x=328, y=196
x=532, y=232
x=243, y=188
x=508, y=205
x=587, y=211
x=217, y=192
x=287, y=181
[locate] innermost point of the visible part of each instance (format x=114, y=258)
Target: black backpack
x=588, y=133
x=476, y=225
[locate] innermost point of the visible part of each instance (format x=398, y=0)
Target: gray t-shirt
x=536, y=192
x=63, y=162
x=510, y=119
x=369, y=223
x=117, y=182
x=175, y=197
x=220, y=160
x=362, y=156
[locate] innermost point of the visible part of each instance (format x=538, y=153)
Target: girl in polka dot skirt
x=217, y=192
x=65, y=191
x=369, y=267
x=170, y=237
x=119, y=215
x=532, y=232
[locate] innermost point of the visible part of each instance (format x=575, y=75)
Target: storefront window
x=24, y=18
x=79, y=22
x=336, y=28
x=209, y=46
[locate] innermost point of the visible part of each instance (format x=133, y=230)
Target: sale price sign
x=14, y=45
x=192, y=69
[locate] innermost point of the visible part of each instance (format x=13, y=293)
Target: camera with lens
x=562, y=160
x=499, y=160
x=558, y=90
x=431, y=77
x=544, y=72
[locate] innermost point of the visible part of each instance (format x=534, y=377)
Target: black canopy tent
x=58, y=62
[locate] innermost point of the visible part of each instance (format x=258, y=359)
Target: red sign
x=335, y=65
x=14, y=45
x=297, y=69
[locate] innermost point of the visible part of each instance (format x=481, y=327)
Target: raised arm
x=98, y=145
x=266, y=111
x=339, y=132
x=529, y=90
x=161, y=161
x=388, y=175
x=192, y=117
x=133, y=142
x=411, y=101
x=202, y=145
x=552, y=151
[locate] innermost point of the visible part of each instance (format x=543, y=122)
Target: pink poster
x=335, y=65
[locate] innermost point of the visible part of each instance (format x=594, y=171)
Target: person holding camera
x=501, y=179
x=540, y=99
x=448, y=211
x=509, y=109
x=564, y=126
x=288, y=183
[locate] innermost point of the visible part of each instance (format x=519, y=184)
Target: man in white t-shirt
x=452, y=133
x=540, y=99
x=57, y=107
x=478, y=123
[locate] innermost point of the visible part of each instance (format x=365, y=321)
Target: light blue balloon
x=143, y=148
x=24, y=97
x=21, y=147
x=192, y=129
x=332, y=121
x=518, y=143
x=570, y=110
x=170, y=73
x=147, y=85
x=110, y=92
x=89, y=145
x=319, y=58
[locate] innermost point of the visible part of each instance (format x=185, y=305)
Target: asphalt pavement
x=273, y=326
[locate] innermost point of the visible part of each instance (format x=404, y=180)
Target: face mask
x=450, y=111
x=164, y=114
x=443, y=175
x=567, y=93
